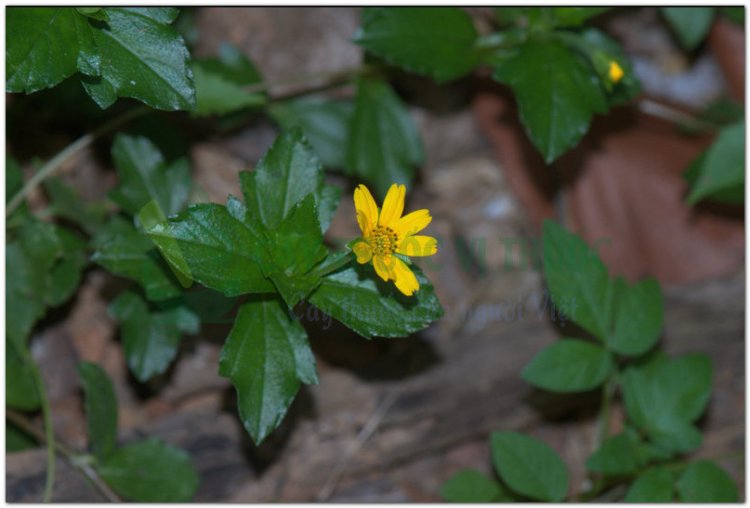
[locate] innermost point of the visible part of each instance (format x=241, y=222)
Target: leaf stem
x=55, y=162
x=330, y=79
x=75, y=459
x=602, y=427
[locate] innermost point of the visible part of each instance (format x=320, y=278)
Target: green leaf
x=144, y=176
x=93, y=12
x=653, y=486
x=575, y=16
x=569, y=365
x=618, y=455
x=67, y=204
x=721, y=168
x=438, y=42
x=126, y=252
x=691, y=24
x=638, y=315
x=150, y=472
x=220, y=83
x=44, y=46
x=209, y=245
x=65, y=276
x=662, y=397
x=17, y=440
x=287, y=173
x=705, y=482
x=101, y=409
x=577, y=279
x=325, y=124
x=529, y=466
x=266, y=356
x=20, y=385
x=362, y=301
x=603, y=50
x=150, y=339
x=471, y=486
x=557, y=93
x=384, y=144
x=141, y=57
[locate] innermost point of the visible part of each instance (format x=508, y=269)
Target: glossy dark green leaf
x=67, y=204
x=127, y=252
x=150, y=339
x=141, y=57
x=705, y=482
x=691, y=24
x=266, y=356
x=663, y=397
x=436, y=41
x=721, y=168
x=569, y=365
x=653, y=486
x=384, y=145
x=557, y=93
x=144, y=175
x=529, y=466
x=220, y=83
x=577, y=279
x=288, y=172
x=362, y=301
x=325, y=124
x=471, y=486
x=101, y=409
x=17, y=440
x=209, y=245
x=150, y=472
x=618, y=455
x=638, y=315
x=20, y=386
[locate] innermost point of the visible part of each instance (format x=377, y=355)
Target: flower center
x=383, y=241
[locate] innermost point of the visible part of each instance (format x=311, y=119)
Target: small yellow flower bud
x=615, y=71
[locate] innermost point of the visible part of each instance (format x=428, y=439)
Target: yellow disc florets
x=383, y=241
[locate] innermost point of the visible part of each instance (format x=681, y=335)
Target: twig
x=674, y=115
x=24, y=424
x=370, y=427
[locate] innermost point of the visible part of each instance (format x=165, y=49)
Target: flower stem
x=55, y=162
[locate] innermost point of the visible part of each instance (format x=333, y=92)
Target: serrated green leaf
x=436, y=41
x=67, y=204
x=141, y=57
x=20, y=385
x=287, y=173
x=638, y=314
x=151, y=339
x=569, y=365
x=384, y=145
x=618, y=455
x=325, y=124
x=101, y=409
x=126, y=252
x=691, y=24
x=17, y=440
x=577, y=279
x=721, y=168
x=359, y=299
x=150, y=472
x=557, y=93
x=664, y=397
x=471, y=486
x=653, y=486
x=266, y=356
x=144, y=176
x=208, y=244
x=529, y=466
x=220, y=83
x=705, y=482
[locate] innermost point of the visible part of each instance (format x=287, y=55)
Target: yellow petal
x=412, y=223
x=364, y=224
x=383, y=267
x=418, y=245
x=363, y=251
x=393, y=206
x=406, y=281
x=365, y=205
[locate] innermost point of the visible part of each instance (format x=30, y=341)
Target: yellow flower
x=386, y=234
x=615, y=71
